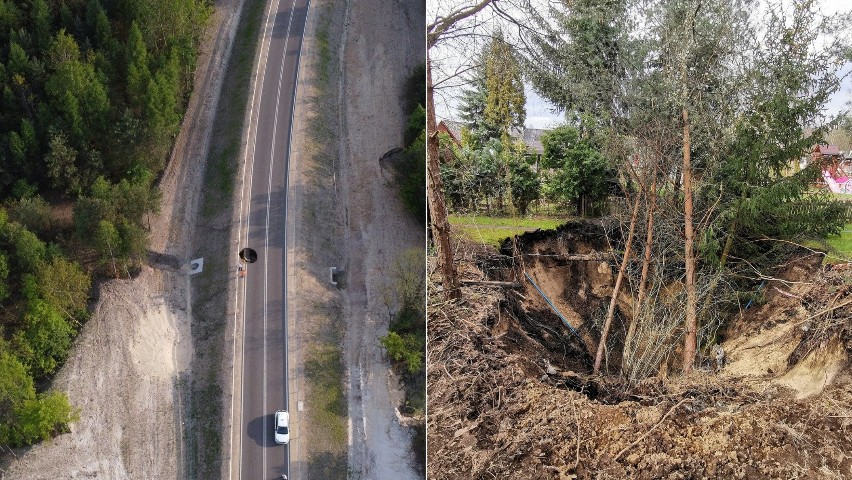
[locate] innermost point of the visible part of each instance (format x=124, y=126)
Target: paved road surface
x=262, y=311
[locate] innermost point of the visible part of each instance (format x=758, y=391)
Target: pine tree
x=505, y=101
x=138, y=74
x=580, y=62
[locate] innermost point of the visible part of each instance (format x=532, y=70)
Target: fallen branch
x=642, y=437
x=827, y=310
x=583, y=257
x=491, y=283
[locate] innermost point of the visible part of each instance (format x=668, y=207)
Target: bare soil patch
x=509, y=393
x=383, y=45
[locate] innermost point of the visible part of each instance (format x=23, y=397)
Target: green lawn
x=841, y=245
x=493, y=230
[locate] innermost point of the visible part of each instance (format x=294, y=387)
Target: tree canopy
x=91, y=98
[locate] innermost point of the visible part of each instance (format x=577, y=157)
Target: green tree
x=133, y=243
x=61, y=162
x=16, y=387
x=138, y=74
x=98, y=24
x=582, y=58
x=40, y=17
x=64, y=285
x=505, y=99
x=42, y=417
x=24, y=416
x=161, y=101
x=4, y=279
x=405, y=349
x=76, y=93
x=28, y=252
x=64, y=49
x=581, y=174
x=107, y=242
x=17, y=149
x=33, y=212
x=411, y=174
x=18, y=64
x=472, y=110
x=44, y=340
x=525, y=186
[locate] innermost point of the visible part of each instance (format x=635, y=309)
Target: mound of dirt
x=801, y=336
x=508, y=396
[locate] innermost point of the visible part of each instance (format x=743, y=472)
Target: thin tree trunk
x=689, y=343
x=435, y=195
x=646, y=264
x=619, y=280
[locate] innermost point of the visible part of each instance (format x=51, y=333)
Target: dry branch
x=491, y=283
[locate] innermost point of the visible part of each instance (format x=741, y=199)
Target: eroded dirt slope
x=507, y=398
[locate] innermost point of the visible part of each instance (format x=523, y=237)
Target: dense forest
x=91, y=99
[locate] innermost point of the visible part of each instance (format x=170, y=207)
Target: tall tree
x=442, y=25
x=505, y=101
x=700, y=43
x=435, y=194
x=581, y=173
x=472, y=109
x=525, y=185
x=138, y=74
x=580, y=58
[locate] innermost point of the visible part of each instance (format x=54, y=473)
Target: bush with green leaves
x=110, y=220
x=580, y=173
x=405, y=349
x=27, y=417
x=406, y=338
x=51, y=293
x=525, y=186
x=411, y=171
x=411, y=177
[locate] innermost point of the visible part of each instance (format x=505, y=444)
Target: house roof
x=532, y=137
x=452, y=127
x=827, y=149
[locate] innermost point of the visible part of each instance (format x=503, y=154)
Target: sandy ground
x=135, y=333
x=379, y=53
x=125, y=368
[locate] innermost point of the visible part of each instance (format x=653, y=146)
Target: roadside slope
x=380, y=52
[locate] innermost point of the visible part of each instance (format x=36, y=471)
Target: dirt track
x=380, y=53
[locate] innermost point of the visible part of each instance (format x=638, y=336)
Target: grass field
x=841, y=245
x=493, y=230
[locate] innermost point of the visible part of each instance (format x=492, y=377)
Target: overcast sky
x=540, y=113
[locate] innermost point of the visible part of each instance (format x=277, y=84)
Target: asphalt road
x=262, y=311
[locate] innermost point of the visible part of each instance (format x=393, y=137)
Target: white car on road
x=282, y=427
